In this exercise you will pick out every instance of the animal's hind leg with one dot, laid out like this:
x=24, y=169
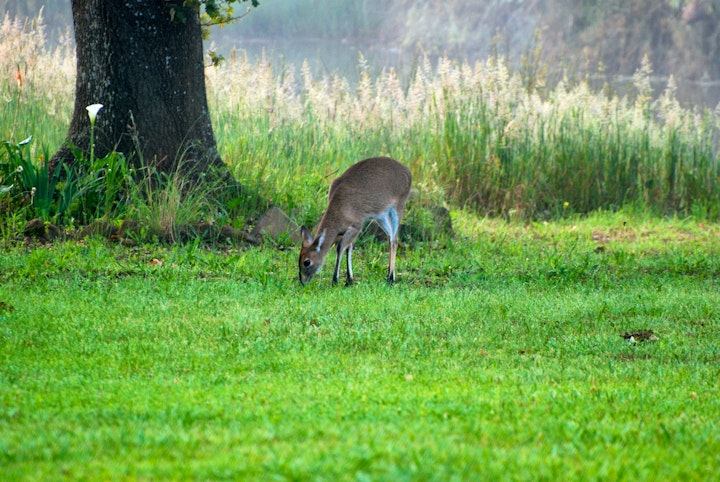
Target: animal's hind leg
x=349, y=279
x=390, y=223
x=391, y=267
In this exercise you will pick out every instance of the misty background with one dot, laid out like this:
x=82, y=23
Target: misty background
x=601, y=41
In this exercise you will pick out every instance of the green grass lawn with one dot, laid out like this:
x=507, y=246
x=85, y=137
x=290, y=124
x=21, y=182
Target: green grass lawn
x=498, y=355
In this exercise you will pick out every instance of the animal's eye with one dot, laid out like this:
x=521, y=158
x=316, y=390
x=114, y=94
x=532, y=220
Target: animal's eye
x=307, y=262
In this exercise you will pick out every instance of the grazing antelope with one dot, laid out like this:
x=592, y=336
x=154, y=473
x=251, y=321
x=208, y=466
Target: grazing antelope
x=376, y=188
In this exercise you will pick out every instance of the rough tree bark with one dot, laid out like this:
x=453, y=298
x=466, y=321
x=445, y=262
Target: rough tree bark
x=146, y=67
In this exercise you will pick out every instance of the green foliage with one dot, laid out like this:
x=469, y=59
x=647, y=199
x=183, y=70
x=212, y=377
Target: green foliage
x=105, y=185
x=214, y=12
x=222, y=11
x=39, y=184
x=60, y=194
x=168, y=206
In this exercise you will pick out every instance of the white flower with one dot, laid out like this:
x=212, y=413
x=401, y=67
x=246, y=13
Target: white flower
x=93, y=111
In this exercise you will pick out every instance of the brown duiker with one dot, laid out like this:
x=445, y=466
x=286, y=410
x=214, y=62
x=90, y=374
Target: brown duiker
x=375, y=188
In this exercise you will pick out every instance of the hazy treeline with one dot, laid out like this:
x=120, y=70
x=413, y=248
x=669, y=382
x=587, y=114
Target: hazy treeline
x=681, y=37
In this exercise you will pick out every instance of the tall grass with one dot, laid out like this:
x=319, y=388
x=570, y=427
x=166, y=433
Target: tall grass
x=36, y=83
x=474, y=135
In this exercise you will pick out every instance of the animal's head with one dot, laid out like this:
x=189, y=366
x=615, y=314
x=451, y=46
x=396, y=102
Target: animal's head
x=312, y=255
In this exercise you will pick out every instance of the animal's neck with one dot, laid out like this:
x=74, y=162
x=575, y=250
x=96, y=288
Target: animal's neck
x=327, y=227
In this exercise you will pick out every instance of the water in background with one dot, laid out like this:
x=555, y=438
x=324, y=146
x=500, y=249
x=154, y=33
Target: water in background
x=347, y=59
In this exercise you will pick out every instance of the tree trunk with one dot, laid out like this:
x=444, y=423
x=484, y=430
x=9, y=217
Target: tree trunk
x=144, y=62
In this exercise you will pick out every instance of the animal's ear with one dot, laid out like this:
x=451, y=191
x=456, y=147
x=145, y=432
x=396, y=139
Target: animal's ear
x=307, y=237
x=321, y=239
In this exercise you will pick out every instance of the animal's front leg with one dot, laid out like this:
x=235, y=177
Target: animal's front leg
x=345, y=243
x=336, y=274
